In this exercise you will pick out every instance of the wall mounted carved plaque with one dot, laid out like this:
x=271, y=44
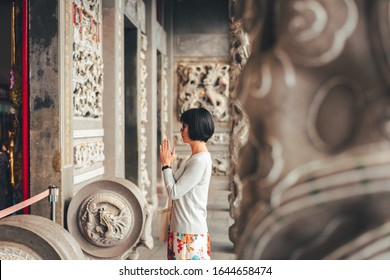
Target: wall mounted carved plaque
x=204, y=85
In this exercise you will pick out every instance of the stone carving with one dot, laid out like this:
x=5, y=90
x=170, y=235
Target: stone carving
x=343, y=208
x=143, y=101
x=87, y=60
x=217, y=139
x=31, y=237
x=204, y=85
x=144, y=181
x=14, y=251
x=220, y=163
x=130, y=6
x=108, y=219
x=146, y=238
x=239, y=44
x=314, y=32
x=317, y=101
x=350, y=98
x=86, y=19
x=239, y=53
x=88, y=154
x=105, y=219
x=370, y=245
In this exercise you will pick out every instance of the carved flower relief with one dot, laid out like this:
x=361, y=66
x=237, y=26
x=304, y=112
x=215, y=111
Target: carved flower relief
x=204, y=85
x=105, y=219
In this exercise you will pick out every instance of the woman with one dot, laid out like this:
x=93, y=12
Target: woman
x=188, y=188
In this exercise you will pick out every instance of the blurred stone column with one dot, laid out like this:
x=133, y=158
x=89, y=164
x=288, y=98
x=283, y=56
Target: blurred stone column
x=239, y=53
x=315, y=89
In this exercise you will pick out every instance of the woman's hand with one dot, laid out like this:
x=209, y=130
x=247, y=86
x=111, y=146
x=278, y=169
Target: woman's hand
x=166, y=154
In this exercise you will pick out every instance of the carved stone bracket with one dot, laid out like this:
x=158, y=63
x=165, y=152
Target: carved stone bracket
x=135, y=10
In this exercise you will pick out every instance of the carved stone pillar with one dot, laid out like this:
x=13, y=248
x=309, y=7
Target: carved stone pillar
x=239, y=53
x=316, y=94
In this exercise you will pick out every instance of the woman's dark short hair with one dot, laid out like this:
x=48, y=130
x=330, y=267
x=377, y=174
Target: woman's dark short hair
x=200, y=123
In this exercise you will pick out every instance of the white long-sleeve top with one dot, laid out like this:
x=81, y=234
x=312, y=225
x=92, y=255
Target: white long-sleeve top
x=188, y=188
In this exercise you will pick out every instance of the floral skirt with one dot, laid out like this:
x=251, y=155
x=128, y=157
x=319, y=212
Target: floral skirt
x=182, y=246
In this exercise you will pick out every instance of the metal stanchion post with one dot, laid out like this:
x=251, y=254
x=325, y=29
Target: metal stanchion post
x=53, y=198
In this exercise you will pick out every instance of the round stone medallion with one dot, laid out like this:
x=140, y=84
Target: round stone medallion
x=106, y=217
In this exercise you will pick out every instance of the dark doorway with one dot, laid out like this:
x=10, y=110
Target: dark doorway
x=13, y=104
x=131, y=108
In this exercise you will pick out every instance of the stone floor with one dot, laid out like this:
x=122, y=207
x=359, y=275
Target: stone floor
x=218, y=220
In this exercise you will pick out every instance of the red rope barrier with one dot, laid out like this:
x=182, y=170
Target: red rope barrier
x=24, y=204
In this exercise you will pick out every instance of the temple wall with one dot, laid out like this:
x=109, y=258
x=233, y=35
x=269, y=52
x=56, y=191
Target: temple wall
x=45, y=155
